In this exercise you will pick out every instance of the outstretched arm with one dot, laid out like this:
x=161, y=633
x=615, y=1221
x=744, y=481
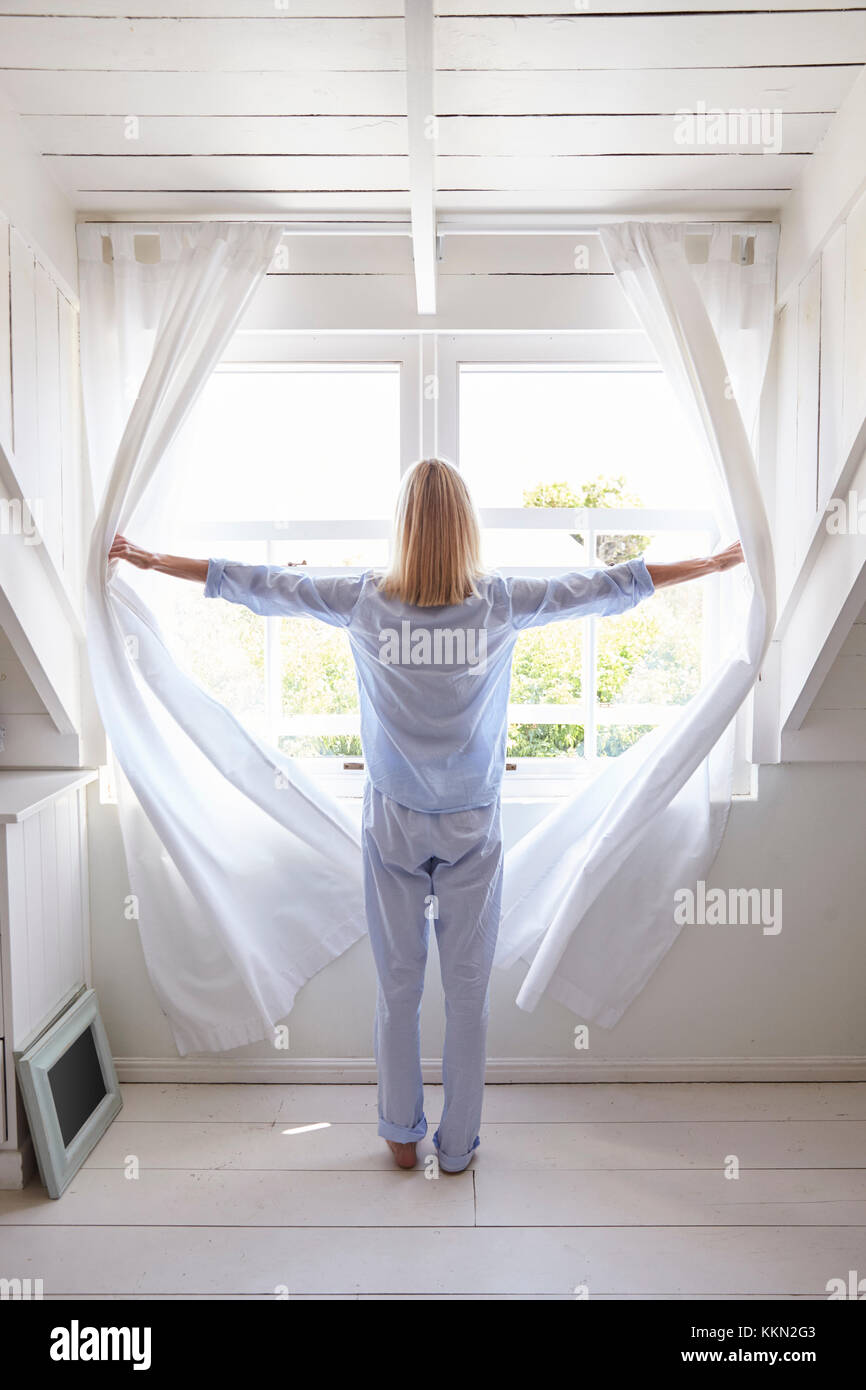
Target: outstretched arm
x=682, y=570
x=282, y=591
x=180, y=566
x=606, y=590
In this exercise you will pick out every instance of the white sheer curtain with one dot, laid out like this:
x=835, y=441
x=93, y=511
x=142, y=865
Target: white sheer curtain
x=244, y=878
x=247, y=876
x=589, y=893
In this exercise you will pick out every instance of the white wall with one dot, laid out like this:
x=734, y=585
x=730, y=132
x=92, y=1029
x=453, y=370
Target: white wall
x=40, y=464
x=32, y=200
x=721, y=993
x=820, y=387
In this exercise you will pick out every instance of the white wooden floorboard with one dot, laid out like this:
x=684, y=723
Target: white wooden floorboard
x=682, y=1101
x=675, y=1144
x=189, y=1198
x=774, y=1197
x=557, y=1104
x=350, y=1145
x=250, y=1103
x=619, y=1188
x=650, y=1261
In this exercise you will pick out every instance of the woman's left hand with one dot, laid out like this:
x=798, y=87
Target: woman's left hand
x=732, y=555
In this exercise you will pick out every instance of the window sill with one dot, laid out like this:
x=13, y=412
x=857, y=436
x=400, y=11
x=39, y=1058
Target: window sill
x=525, y=786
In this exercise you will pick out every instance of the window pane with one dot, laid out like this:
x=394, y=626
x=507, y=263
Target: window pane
x=539, y=437
x=510, y=549
x=220, y=645
x=360, y=554
x=523, y=426
x=311, y=442
x=613, y=739
x=652, y=655
x=545, y=741
x=547, y=666
x=275, y=444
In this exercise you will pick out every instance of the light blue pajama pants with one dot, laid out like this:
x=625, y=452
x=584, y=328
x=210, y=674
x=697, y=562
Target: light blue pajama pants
x=444, y=867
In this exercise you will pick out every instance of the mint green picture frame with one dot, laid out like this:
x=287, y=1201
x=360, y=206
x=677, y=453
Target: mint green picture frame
x=59, y=1162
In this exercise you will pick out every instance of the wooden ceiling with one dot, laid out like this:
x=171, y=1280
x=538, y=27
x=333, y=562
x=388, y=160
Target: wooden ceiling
x=299, y=107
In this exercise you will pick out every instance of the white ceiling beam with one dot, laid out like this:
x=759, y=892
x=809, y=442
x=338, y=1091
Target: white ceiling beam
x=422, y=149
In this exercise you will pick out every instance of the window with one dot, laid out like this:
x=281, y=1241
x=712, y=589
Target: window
x=283, y=462
x=296, y=453
x=576, y=465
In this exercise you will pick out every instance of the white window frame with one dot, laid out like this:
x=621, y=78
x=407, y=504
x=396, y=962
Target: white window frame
x=429, y=424
x=625, y=351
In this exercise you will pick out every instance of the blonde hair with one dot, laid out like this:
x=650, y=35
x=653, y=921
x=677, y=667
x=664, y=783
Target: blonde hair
x=437, y=543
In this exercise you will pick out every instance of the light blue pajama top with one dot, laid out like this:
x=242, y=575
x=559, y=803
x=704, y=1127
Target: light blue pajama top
x=433, y=683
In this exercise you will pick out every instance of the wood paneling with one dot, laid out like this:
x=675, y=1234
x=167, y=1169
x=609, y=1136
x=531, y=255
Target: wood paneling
x=265, y=43
x=855, y=321
x=291, y=43
x=589, y=40
x=43, y=391
x=291, y=173
x=239, y=9
x=73, y=481
x=5, y=341
x=510, y=136
x=227, y=135
x=808, y=361
x=48, y=407
x=386, y=303
x=519, y=93
x=47, y=931
x=150, y=93
x=25, y=407
x=744, y=170
x=753, y=203
x=566, y=176
x=830, y=431
x=17, y=695
x=785, y=530
x=538, y=106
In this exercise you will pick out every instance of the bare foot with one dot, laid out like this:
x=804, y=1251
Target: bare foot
x=404, y=1154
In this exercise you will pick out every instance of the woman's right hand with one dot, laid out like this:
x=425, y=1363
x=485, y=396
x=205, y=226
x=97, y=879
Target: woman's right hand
x=122, y=549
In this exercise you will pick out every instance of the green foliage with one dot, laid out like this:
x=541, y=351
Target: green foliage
x=547, y=665
x=544, y=740
x=599, y=492
x=614, y=739
x=318, y=675
x=321, y=746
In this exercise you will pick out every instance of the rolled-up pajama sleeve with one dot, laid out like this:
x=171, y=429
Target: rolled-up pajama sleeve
x=615, y=589
x=214, y=578
x=275, y=591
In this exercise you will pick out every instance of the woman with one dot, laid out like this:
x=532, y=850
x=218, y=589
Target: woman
x=432, y=641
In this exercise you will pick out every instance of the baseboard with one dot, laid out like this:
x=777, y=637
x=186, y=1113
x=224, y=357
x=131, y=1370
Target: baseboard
x=357, y=1071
